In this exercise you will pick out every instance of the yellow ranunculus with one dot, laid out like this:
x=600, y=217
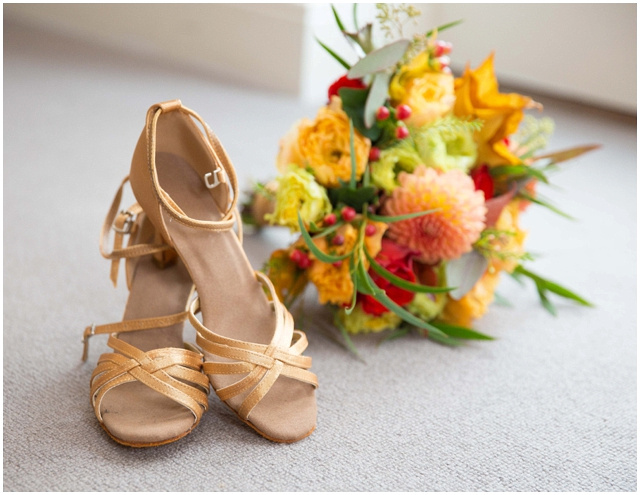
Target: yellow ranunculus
x=477, y=97
x=298, y=192
x=360, y=322
x=324, y=146
x=473, y=304
x=334, y=282
x=430, y=94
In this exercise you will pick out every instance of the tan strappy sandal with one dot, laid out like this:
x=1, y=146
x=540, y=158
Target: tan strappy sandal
x=151, y=390
x=187, y=186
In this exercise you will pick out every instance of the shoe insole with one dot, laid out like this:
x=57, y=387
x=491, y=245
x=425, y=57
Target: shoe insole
x=233, y=302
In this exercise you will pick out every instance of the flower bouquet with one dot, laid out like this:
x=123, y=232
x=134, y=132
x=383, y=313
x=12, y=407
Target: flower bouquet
x=407, y=190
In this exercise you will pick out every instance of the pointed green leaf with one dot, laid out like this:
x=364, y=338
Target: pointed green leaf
x=396, y=334
x=378, y=94
x=443, y=27
x=340, y=60
x=380, y=59
x=450, y=341
x=338, y=21
x=459, y=332
x=324, y=257
x=539, y=201
x=518, y=171
x=464, y=273
x=550, y=286
x=564, y=155
x=387, y=302
x=399, y=218
x=402, y=283
x=546, y=303
x=347, y=340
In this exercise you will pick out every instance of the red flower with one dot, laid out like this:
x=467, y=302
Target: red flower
x=345, y=82
x=399, y=261
x=483, y=181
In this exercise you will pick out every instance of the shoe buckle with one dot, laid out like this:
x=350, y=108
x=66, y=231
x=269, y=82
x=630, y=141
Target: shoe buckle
x=128, y=223
x=214, y=174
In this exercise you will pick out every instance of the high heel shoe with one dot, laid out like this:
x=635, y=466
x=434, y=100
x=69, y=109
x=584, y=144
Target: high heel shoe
x=150, y=391
x=184, y=181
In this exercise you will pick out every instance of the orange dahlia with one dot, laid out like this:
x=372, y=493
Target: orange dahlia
x=452, y=229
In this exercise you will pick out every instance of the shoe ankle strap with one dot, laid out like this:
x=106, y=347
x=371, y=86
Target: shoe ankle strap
x=222, y=175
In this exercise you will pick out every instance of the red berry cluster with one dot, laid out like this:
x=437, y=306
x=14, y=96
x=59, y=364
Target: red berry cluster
x=400, y=113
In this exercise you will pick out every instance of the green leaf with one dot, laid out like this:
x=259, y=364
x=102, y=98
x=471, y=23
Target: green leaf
x=398, y=218
x=355, y=198
x=365, y=284
x=564, y=155
x=450, y=341
x=546, y=303
x=380, y=59
x=378, y=94
x=539, y=201
x=402, y=283
x=338, y=21
x=355, y=15
x=464, y=273
x=396, y=334
x=329, y=230
x=382, y=298
x=340, y=60
x=518, y=171
x=459, y=332
x=353, y=102
x=500, y=300
x=443, y=27
x=551, y=286
x=347, y=340
x=324, y=257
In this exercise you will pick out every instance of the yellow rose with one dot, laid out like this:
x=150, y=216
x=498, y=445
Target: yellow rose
x=334, y=282
x=430, y=94
x=477, y=97
x=473, y=304
x=324, y=146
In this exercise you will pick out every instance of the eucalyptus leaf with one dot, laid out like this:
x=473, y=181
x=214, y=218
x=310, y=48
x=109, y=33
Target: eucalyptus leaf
x=353, y=102
x=464, y=273
x=378, y=94
x=380, y=59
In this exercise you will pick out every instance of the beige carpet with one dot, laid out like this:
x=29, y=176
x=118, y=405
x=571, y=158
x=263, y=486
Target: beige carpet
x=549, y=406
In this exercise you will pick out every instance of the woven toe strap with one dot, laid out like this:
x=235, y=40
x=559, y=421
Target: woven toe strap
x=174, y=373
x=261, y=364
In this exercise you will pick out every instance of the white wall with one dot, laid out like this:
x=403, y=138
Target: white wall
x=585, y=52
